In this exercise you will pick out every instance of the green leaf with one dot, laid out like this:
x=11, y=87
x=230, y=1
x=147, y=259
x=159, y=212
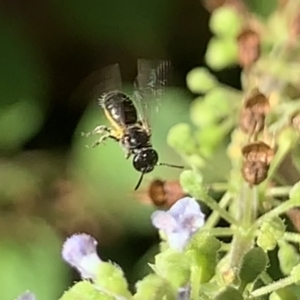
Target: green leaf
x=288, y=257
x=229, y=293
x=253, y=264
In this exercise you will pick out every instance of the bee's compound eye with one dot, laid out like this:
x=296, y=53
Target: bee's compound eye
x=145, y=160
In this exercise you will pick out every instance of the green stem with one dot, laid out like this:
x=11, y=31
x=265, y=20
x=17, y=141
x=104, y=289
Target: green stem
x=279, y=191
x=276, y=285
x=266, y=278
x=248, y=206
x=195, y=282
x=292, y=237
x=282, y=208
x=240, y=245
x=213, y=205
x=220, y=231
x=244, y=237
x=218, y=186
x=202, y=296
x=215, y=216
x=225, y=247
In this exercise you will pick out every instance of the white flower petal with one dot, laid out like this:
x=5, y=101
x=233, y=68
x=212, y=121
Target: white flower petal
x=163, y=221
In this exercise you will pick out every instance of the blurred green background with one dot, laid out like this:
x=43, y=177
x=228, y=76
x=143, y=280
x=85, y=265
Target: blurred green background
x=51, y=185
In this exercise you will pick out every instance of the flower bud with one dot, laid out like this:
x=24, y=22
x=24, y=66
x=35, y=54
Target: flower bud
x=85, y=290
x=221, y=53
x=192, y=183
x=153, y=287
x=200, y=80
x=270, y=232
x=203, y=251
x=79, y=251
x=213, y=107
x=174, y=267
x=226, y=22
x=110, y=278
x=180, y=139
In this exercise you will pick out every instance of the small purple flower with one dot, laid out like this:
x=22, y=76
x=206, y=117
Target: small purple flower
x=27, y=296
x=180, y=222
x=80, y=252
x=184, y=293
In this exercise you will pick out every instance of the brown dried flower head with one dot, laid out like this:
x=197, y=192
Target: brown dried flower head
x=248, y=48
x=254, y=172
x=257, y=159
x=161, y=193
x=253, y=113
x=295, y=26
x=258, y=151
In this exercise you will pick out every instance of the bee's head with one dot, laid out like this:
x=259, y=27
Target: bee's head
x=145, y=160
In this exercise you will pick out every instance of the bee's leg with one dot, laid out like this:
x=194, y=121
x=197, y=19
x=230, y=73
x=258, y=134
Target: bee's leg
x=100, y=141
x=105, y=133
x=97, y=130
x=127, y=154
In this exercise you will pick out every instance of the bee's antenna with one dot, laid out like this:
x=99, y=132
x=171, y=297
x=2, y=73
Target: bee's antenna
x=172, y=166
x=139, y=182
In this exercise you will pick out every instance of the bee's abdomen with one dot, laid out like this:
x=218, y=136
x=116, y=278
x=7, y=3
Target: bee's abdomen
x=120, y=107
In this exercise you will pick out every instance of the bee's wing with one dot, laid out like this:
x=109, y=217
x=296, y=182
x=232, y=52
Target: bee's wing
x=152, y=78
x=98, y=83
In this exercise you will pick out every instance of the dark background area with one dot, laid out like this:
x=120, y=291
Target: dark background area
x=71, y=55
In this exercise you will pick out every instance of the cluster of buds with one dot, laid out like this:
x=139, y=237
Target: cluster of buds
x=257, y=154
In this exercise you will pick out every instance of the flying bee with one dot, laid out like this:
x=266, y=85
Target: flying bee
x=129, y=125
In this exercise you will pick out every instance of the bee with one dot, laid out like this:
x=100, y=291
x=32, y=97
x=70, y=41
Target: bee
x=129, y=116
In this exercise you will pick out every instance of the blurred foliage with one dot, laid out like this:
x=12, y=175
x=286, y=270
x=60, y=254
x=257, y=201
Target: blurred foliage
x=23, y=84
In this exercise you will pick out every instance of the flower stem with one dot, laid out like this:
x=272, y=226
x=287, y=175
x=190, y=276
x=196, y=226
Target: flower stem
x=276, y=285
x=218, y=186
x=219, y=231
x=214, y=217
x=244, y=237
x=213, y=205
x=279, y=191
x=266, y=278
x=282, y=208
x=292, y=237
x=195, y=282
